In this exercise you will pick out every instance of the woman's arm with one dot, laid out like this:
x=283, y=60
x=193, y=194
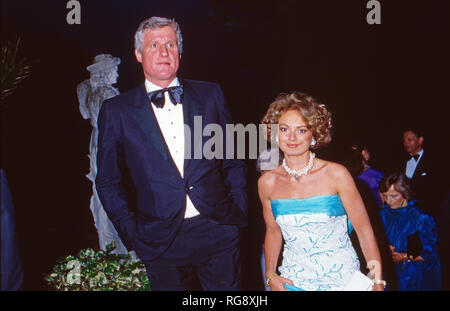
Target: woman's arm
x=273, y=239
x=356, y=211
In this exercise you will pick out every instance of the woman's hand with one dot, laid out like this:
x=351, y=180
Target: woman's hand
x=378, y=287
x=418, y=258
x=277, y=283
x=397, y=257
x=400, y=257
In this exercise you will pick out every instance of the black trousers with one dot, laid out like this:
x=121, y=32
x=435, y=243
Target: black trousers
x=202, y=250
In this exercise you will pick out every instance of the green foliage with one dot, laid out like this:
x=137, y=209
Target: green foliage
x=13, y=68
x=98, y=271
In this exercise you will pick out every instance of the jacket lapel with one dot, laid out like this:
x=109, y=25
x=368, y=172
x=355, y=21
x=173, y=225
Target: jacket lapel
x=145, y=117
x=192, y=106
x=419, y=168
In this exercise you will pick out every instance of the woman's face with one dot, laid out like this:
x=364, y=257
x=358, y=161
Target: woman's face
x=294, y=135
x=393, y=198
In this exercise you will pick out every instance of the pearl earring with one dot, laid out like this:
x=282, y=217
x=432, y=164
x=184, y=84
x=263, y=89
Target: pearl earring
x=313, y=142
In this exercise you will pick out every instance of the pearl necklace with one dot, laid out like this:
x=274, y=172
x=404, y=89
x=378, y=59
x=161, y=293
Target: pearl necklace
x=296, y=174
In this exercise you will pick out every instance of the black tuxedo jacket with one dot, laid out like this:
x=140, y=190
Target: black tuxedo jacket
x=131, y=146
x=428, y=182
x=423, y=168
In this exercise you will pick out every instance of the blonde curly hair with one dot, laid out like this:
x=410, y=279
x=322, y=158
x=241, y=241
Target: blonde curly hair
x=316, y=115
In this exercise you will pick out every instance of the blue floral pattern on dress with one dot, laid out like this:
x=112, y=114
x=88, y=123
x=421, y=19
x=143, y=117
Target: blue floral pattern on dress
x=318, y=254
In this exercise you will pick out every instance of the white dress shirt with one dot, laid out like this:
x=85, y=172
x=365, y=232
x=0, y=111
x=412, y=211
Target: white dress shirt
x=171, y=122
x=412, y=164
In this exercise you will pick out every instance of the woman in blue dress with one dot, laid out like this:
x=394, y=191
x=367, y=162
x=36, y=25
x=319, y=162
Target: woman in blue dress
x=306, y=201
x=418, y=269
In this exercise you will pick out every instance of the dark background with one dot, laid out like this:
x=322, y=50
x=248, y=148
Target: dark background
x=374, y=78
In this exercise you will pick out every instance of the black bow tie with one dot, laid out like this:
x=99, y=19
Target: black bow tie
x=416, y=157
x=175, y=95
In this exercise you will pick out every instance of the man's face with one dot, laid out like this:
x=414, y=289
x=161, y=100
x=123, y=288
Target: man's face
x=159, y=56
x=411, y=142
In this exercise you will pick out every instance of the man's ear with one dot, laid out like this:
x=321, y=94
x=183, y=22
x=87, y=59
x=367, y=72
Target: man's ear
x=138, y=55
x=421, y=140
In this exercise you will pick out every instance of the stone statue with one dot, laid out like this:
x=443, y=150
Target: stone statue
x=91, y=94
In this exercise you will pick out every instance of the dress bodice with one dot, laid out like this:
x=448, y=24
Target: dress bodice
x=330, y=205
x=318, y=254
x=327, y=204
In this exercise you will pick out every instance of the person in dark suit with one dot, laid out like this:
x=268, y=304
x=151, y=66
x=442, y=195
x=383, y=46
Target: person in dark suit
x=422, y=169
x=183, y=213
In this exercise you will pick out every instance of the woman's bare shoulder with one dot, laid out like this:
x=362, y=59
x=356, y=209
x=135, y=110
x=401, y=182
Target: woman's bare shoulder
x=268, y=178
x=333, y=169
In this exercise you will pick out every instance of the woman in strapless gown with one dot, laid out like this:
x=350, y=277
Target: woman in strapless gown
x=311, y=204
x=318, y=253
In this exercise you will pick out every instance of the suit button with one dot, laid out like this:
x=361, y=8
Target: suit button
x=190, y=187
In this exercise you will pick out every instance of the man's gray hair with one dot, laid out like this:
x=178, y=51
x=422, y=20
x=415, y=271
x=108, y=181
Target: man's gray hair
x=153, y=23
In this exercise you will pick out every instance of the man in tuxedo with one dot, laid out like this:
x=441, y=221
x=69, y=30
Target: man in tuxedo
x=183, y=213
x=424, y=171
